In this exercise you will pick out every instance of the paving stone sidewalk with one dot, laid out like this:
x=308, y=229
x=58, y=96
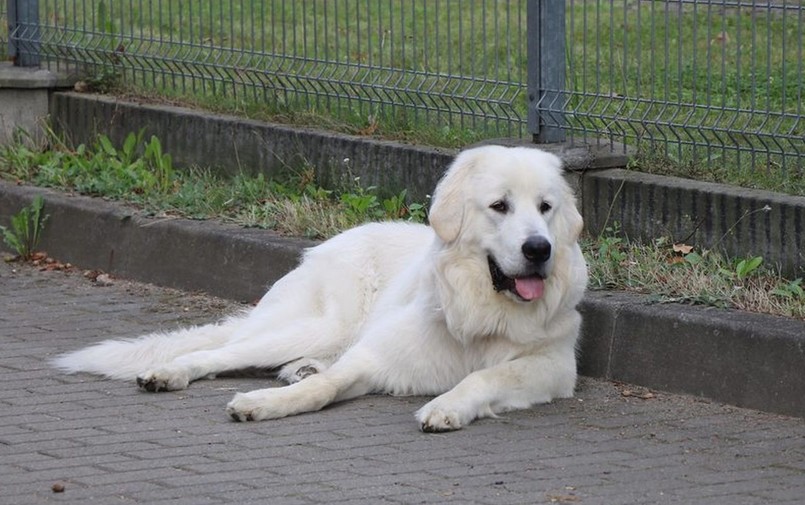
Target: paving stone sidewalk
x=106, y=442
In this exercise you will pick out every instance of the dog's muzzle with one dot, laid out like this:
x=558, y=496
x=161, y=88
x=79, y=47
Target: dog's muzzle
x=526, y=287
x=530, y=284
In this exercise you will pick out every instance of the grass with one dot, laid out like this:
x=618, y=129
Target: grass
x=680, y=273
x=695, y=85
x=140, y=174
x=706, y=92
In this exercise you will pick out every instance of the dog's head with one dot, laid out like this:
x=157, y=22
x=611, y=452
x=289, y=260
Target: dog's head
x=512, y=205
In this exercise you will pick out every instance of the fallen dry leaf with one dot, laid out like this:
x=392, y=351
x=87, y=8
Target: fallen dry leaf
x=104, y=280
x=630, y=391
x=721, y=38
x=683, y=248
x=371, y=129
x=643, y=395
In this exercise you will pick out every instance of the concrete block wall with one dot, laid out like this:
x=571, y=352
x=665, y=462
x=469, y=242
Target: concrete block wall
x=231, y=144
x=741, y=222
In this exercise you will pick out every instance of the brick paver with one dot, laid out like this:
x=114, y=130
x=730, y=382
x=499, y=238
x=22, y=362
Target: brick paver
x=106, y=442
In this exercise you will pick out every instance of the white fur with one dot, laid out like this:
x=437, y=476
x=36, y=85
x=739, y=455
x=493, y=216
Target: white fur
x=402, y=309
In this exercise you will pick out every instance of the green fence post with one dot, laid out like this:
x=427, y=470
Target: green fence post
x=546, y=69
x=23, y=32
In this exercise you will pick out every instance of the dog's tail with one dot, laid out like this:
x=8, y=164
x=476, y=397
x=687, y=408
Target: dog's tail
x=125, y=358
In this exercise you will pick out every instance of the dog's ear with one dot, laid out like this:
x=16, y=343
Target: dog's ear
x=446, y=213
x=570, y=222
x=570, y=218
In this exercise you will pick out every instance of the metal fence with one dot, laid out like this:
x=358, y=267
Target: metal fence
x=715, y=83
x=711, y=82
x=457, y=62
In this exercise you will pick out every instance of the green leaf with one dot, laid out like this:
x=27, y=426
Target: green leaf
x=693, y=258
x=746, y=267
x=129, y=145
x=106, y=145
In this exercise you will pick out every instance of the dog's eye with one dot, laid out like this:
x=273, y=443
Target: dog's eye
x=544, y=207
x=500, y=206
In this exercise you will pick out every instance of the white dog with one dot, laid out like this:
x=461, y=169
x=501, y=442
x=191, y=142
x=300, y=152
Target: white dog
x=479, y=308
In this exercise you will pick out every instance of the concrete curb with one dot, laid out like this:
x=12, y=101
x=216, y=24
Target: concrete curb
x=741, y=358
x=224, y=260
x=749, y=360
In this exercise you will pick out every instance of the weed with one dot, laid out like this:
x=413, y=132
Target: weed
x=362, y=202
x=746, y=267
x=142, y=173
x=610, y=245
x=102, y=170
x=158, y=163
x=395, y=207
x=607, y=251
x=790, y=290
x=677, y=273
x=417, y=212
x=26, y=229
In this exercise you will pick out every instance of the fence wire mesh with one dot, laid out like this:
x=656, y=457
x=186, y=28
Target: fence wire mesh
x=712, y=83
x=452, y=62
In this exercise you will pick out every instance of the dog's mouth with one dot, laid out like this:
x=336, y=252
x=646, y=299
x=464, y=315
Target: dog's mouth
x=527, y=287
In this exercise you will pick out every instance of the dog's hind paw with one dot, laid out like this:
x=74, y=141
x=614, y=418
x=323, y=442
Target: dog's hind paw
x=297, y=370
x=156, y=381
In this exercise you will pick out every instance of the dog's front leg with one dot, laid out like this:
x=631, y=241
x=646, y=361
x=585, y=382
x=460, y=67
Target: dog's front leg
x=515, y=384
x=313, y=393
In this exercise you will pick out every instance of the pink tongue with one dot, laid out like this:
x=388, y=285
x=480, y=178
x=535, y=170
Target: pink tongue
x=529, y=288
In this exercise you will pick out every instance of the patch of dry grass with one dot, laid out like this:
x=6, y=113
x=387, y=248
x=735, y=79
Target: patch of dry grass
x=681, y=273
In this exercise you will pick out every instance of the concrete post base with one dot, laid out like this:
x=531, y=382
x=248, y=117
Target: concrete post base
x=24, y=95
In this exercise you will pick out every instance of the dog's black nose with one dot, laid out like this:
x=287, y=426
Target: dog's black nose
x=537, y=249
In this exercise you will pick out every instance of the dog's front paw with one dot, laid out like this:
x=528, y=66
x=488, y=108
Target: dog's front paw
x=155, y=381
x=254, y=406
x=436, y=418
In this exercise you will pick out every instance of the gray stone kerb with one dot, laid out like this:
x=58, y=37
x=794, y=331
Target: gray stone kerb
x=749, y=360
